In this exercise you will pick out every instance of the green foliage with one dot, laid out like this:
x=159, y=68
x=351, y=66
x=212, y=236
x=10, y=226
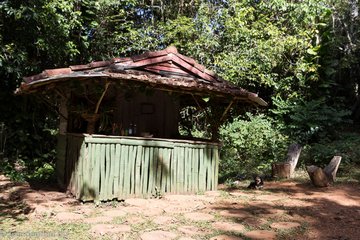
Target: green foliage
x=30, y=135
x=8, y=168
x=194, y=122
x=250, y=146
x=350, y=172
x=290, y=52
x=46, y=172
x=345, y=145
x=41, y=171
x=309, y=121
x=264, y=45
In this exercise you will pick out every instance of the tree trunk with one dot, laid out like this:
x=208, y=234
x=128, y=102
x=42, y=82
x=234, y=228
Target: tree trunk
x=292, y=158
x=324, y=177
x=331, y=169
x=287, y=168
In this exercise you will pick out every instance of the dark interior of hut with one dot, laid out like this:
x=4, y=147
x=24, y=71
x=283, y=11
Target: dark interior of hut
x=143, y=111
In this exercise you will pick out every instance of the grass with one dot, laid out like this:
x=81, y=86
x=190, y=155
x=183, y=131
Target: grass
x=292, y=233
x=350, y=174
x=47, y=228
x=146, y=225
x=224, y=194
x=119, y=220
x=44, y=229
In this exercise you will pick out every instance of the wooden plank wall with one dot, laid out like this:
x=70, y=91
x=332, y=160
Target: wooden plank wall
x=60, y=160
x=74, y=147
x=108, y=168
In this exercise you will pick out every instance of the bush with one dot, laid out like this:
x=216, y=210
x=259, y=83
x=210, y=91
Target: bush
x=346, y=145
x=8, y=169
x=309, y=121
x=28, y=130
x=46, y=172
x=250, y=146
x=17, y=171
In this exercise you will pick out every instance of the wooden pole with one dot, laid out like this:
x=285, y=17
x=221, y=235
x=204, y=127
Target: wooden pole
x=226, y=110
x=62, y=141
x=107, y=84
x=92, y=118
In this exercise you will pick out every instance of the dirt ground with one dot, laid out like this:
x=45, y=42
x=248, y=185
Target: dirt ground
x=282, y=210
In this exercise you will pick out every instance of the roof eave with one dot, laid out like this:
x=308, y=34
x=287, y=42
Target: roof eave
x=160, y=83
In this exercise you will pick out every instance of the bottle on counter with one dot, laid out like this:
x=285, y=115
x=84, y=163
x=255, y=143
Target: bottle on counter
x=131, y=129
x=134, y=130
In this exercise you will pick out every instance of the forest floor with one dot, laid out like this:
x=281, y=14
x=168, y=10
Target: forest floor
x=282, y=210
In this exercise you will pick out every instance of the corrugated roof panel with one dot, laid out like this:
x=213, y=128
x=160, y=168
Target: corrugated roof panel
x=166, y=68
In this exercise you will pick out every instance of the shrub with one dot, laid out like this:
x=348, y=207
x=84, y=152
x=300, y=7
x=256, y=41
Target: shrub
x=309, y=121
x=8, y=168
x=250, y=146
x=27, y=137
x=46, y=172
x=346, y=145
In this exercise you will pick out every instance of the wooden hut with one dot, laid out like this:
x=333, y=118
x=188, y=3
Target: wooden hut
x=119, y=121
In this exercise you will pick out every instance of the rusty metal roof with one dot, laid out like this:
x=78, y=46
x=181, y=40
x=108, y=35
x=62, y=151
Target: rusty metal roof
x=166, y=69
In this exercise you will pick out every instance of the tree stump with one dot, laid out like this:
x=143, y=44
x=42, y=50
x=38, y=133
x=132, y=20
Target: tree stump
x=324, y=177
x=331, y=169
x=287, y=168
x=317, y=176
x=292, y=157
x=281, y=170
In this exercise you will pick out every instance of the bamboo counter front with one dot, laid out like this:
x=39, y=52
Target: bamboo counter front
x=101, y=168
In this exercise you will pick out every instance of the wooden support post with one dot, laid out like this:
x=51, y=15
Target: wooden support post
x=63, y=116
x=107, y=84
x=226, y=111
x=92, y=118
x=61, y=143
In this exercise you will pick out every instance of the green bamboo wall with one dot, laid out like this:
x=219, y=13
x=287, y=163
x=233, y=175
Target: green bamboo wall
x=105, y=168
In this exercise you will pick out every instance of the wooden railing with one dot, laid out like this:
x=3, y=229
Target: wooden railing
x=105, y=167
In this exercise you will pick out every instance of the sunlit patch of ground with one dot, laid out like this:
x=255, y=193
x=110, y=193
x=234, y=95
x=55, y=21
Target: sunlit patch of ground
x=282, y=210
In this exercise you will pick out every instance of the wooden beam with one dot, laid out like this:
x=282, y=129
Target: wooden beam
x=226, y=110
x=107, y=84
x=62, y=95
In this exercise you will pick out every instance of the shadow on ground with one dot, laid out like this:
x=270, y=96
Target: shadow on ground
x=18, y=199
x=324, y=213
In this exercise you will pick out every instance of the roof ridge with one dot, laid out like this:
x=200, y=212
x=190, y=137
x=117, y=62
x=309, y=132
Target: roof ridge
x=167, y=63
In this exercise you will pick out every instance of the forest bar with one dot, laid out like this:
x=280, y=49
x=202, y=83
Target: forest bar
x=101, y=167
